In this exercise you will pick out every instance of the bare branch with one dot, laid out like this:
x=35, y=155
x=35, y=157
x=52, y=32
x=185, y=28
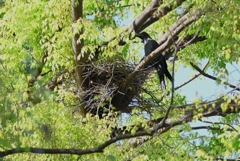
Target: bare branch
x=213, y=78
x=220, y=123
x=206, y=127
x=194, y=77
x=172, y=97
x=224, y=159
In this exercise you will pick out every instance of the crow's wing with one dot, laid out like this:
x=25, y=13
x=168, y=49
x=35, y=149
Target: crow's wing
x=150, y=46
x=168, y=75
x=159, y=63
x=164, y=66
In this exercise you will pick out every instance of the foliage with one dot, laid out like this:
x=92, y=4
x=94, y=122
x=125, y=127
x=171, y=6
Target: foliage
x=40, y=104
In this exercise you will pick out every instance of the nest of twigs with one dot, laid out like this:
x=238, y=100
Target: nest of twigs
x=103, y=83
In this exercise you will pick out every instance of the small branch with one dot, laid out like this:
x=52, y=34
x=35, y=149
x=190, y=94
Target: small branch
x=219, y=123
x=54, y=80
x=185, y=83
x=153, y=97
x=205, y=127
x=43, y=74
x=172, y=97
x=45, y=55
x=38, y=69
x=194, y=77
x=193, y=38
x=221, y=159
x=213, y=78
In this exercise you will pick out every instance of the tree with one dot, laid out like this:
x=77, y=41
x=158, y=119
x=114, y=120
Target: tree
x=74, y=84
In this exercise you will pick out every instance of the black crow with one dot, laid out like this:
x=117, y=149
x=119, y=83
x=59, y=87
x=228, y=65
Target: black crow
x=159, y=62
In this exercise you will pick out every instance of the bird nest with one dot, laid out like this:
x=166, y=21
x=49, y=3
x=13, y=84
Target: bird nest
x=103, y=81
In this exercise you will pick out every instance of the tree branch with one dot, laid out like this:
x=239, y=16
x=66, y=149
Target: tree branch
x=77, y=44
x=54, y=80
x=205, y=127
x=220, y=123
x=161, y=13
x=148, y=12
x=165, y=42
x=194, y=77
x=208, y=111
x=189, y=39
x=172, y=97
x=145, y=19
x=214, y=78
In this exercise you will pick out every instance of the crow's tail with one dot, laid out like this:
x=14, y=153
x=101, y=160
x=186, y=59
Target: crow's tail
x=168, y=75
x=161, y=78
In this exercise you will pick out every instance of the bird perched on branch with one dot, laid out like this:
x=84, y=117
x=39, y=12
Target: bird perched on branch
x=159, y=62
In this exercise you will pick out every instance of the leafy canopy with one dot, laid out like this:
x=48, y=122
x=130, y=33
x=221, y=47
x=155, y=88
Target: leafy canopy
x=36, y=45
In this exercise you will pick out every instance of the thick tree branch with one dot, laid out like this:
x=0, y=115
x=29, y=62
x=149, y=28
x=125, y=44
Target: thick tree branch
x=145, y=19
x=182, y=23
x=161, y=13
x=77, y=14
x=206, y=108
x=148, y=12
x=77, y=44
x=137, y=23
x=189, y=39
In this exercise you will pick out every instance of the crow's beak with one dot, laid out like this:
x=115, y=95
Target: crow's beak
x=139, y=36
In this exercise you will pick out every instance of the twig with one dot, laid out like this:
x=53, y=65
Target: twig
x=219, y=123
x=212, y=77
x=172, y=97
x=205, y=127
x=193, y=38
x=194, y=77
x=153, y=97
